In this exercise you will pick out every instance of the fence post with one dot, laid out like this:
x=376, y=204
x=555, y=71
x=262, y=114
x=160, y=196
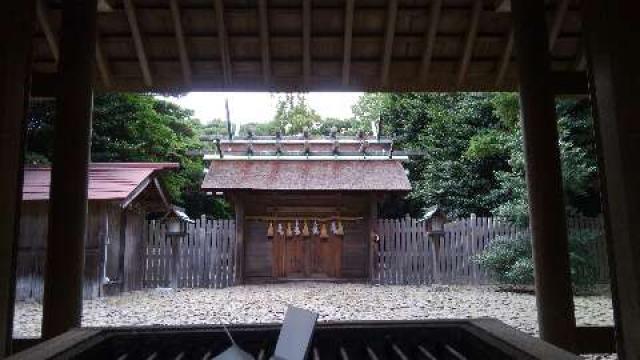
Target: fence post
x=175, y=244
x=473, y=246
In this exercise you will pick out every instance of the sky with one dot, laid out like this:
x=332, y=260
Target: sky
x=246, y=107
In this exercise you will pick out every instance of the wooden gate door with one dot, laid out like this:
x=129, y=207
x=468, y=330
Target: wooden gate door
x=295, y=257
x=323, y=257
x=307, y=258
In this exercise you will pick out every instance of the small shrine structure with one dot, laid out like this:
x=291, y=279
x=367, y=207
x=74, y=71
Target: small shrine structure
x=306, y=208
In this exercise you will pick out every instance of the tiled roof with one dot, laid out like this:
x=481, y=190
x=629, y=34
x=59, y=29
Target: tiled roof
x=107, y=181
x=307, y=175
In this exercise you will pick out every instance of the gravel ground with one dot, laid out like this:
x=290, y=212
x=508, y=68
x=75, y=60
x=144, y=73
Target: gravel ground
x=267, y=303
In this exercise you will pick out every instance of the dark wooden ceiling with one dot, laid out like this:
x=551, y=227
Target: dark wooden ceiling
x=303, y=45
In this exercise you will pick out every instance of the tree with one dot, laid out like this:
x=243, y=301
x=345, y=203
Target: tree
x=442, y=126
x=137, y=127
x=474, y=157
x=293, y=114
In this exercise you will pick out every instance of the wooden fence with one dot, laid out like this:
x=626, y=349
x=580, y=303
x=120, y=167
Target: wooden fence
x=204, y=257
x=407, y=254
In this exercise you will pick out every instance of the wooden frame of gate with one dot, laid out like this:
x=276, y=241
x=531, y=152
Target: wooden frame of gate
x=610, y=54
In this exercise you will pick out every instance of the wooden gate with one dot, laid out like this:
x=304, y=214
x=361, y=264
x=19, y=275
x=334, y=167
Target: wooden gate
x=307, y=257
x=204, y=257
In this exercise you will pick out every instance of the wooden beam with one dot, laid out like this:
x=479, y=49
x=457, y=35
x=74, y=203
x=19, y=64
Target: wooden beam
x=581, y=59
x=263, y=14
x=612, y=29
x=62, y=305
x=505, y=60
x=306, y=41
x=137, y=40
x=16, y=22
x=554, y=294
x=503, y=6
x=182, y=47
x=348, y=38
x=225, y=58
x=595, y=340
x=103, y=66
x=558, y=21
x=43, y=21
x=430, y=38
x=470, y=41
x=392, y=12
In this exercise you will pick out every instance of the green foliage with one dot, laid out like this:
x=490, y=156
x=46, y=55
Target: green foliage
x=577, y=151
x=137, y=127
x=489, y=144
x=294, y=115
x=509, y=261
x=345, y=127
x=445, y=127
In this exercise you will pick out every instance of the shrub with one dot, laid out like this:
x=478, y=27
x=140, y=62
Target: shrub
x=509, y=261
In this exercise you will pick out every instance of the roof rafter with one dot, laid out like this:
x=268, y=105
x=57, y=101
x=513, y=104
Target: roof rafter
x=558, y=21
x=392, y=13
x=264, y=40
x=306, y=40
x=43, y=20
x=554, y=33
x=348, y=38
x=505, y=60
x=225, y=59
x=102, y=65
x=470, y=41
x=137, y=40
x=182, y=47
x=430, y=38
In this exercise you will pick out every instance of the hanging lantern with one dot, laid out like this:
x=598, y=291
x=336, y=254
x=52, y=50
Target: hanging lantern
x=315, y=230
x=289, y=231
x=305, y=229
x=296, y=229
x=280, y=230
x=270, y=230
x=323, y=231
x=340, y=229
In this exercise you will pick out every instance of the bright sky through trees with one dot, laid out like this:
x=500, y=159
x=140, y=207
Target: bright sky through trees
x=248, y=107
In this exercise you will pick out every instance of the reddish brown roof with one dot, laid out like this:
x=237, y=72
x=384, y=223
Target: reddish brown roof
x=107, y=181
x=308, y=175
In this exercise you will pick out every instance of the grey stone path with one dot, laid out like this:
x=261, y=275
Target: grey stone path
x=266, y=303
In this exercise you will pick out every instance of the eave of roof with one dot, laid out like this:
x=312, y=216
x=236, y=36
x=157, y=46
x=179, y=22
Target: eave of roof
x=301, y=175
x=107, y=181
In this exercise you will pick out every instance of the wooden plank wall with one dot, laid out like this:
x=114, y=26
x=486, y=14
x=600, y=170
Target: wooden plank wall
x=406, y=254
x=202, y=258
x=32, y=249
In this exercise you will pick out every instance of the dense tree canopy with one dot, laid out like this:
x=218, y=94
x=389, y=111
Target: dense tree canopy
x=474, y=158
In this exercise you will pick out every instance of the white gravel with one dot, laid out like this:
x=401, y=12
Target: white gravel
x=267, y=303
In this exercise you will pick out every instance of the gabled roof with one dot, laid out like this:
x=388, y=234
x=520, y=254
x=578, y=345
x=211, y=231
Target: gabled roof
x=107, y=181
x=307, y=175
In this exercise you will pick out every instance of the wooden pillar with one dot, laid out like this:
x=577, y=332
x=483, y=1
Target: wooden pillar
x=239, y=210
x=69, y=176
x=612, y=30
x=16, y=23
x=554, y=296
